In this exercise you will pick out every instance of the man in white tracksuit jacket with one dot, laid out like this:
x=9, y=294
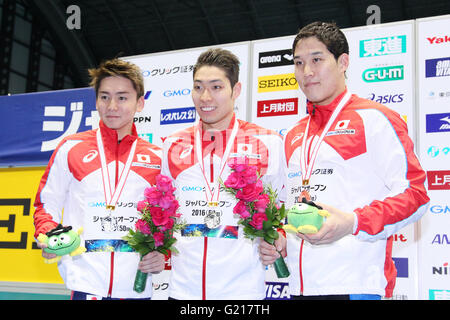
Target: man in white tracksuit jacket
x=217, y=262
x=354, y=157
x=89, y=170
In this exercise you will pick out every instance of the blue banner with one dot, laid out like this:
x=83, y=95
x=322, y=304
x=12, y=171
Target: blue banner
x=33, y=124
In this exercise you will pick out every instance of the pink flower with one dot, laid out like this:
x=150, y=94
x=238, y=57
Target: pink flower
x=172, y=210
x=235, y=181
x=238, y=164
x=262, y=202
x=249, y=174
x=152, y=195
x=141, y=205
x=159, y=216
x=166, y=200
x=250, y=192
x=164, y=183
x=258, y=219
x=167, y=226
x=159, y=238
x=241, y=209
x=142, y=226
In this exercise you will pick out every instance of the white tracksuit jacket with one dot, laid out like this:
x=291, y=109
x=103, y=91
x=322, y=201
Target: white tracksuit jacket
x=366, y=165
x=73, y=183
x=226, y=265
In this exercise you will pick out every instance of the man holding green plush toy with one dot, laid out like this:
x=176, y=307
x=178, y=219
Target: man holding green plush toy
x=90, y=176
x=353, y=157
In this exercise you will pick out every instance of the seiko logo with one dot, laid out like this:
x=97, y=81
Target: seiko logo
x=90, y=156
x=275, y=58
x=279, y=82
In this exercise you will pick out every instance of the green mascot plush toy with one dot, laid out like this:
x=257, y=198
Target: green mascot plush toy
x=61, y=241
x=305, y=217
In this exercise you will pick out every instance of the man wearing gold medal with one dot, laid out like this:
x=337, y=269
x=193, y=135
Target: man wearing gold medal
x=215, y=261
x=96, y=177
x=353, y=157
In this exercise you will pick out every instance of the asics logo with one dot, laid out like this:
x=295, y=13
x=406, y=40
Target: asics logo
x=90, y=156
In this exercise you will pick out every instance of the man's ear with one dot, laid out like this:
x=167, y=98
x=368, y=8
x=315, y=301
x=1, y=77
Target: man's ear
x=140, y=104
x=236, y=90
x=343, y=62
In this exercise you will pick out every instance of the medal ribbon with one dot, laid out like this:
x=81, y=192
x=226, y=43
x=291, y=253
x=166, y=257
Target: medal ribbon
x=198, y=149
x=305, y=166
x=112, y=195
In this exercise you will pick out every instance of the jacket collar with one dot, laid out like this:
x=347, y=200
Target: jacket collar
x=325, y=110
x=110, y=137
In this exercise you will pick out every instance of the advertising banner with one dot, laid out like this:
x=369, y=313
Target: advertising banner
x=277, y=100
x=382, y=68
x=433, y=72
x=168, y=84
x=21, y=258
x=34, y=123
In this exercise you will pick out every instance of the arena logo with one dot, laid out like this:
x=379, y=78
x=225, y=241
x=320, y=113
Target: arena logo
x=275, y=58
x=437, y=122
x=278, y=107
x=177, y=115
x=437, y=40
x=383, y=74
x=388, y=98
x=279, y=82
x=437, y=67
x=382, y=46
x=438, y=180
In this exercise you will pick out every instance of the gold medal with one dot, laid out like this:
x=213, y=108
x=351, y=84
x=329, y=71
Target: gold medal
x=212, y=219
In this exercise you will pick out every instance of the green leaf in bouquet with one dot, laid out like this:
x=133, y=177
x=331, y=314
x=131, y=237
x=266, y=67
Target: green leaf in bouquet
x=267, y=225
x=269, y=214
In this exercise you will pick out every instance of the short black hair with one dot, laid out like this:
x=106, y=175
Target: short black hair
x=222, y=59
x=326, y=32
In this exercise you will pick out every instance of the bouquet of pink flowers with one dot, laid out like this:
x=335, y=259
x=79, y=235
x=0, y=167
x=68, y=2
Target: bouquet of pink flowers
x=158, y=222
x=257, y=209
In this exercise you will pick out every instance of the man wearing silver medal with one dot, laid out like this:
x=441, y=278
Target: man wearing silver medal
x=90, y=176
x=356, y=160
x=215, y=261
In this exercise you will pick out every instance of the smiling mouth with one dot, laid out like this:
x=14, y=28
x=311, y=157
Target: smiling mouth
x=207, y=108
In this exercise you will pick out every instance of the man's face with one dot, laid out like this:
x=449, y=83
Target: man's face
x=117, y=103
x=319, y=75
x=213, y=97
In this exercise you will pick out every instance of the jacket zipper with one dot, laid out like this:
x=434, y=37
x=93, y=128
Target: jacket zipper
x=111, y=272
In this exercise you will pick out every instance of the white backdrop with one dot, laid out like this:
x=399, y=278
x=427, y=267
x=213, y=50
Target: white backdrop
x=433, y=91
x=383, y=60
